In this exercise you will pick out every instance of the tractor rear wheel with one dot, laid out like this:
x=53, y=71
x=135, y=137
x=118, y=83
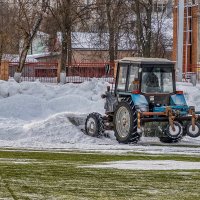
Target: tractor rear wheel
x=94, y=125
x=125, y=122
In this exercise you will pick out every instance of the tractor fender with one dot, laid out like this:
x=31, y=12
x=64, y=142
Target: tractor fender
x=140, y=102
x=178, y=99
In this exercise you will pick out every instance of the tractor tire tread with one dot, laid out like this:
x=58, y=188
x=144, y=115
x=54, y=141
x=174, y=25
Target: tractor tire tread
x=134, y=136
x=169, y=140
x=100, y=124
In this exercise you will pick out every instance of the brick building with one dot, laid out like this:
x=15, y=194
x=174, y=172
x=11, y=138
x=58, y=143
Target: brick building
x=191, y=36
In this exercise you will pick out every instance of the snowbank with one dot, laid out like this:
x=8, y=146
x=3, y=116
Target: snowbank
x=31, y=100
x=33, y=114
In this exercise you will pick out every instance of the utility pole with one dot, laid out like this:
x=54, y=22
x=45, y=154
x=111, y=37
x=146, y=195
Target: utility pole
x=180, y=39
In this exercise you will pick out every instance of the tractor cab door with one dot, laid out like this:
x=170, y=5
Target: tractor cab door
x=133, y=78
x=127, y=78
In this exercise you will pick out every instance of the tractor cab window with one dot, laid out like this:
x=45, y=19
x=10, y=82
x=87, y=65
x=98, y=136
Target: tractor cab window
x=133, y=78
x=156, y=79
x=122, y=76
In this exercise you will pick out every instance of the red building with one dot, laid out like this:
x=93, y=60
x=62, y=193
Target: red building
x=190, y=38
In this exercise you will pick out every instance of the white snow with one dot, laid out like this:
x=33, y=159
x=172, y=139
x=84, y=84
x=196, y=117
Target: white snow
x=149, y=165
x=33, y=114
x=37, y=115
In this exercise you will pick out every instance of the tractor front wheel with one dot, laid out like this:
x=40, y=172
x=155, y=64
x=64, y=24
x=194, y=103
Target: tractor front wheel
x=173, y=135
x=125, y=122
x=193, y=132
x=94, y=125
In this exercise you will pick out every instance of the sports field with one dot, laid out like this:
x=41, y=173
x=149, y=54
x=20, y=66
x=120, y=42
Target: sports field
x=69, y=175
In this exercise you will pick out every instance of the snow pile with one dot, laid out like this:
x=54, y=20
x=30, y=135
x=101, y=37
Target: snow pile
x=192, y=94
x=31, y=100
x=33, y=114
x=36, y=115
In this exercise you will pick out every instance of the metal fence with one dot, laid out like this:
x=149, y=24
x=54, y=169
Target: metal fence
x=44, y=72
x=76, y=72
x=79, y=72
x=192, y=70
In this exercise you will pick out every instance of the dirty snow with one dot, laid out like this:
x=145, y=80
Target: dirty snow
x=36, y=115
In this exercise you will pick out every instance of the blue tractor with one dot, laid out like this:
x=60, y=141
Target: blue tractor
x=145, y=93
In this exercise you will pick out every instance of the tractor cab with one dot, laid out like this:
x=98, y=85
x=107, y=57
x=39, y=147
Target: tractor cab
x=145, y=93
x=152, y=78
x=147, y=76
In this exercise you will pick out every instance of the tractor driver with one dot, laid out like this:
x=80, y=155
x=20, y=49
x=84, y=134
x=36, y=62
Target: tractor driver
x=151, y=81
x=134, y=84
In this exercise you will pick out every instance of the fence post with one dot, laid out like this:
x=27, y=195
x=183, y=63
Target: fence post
x=4, y=72
x=193, y=79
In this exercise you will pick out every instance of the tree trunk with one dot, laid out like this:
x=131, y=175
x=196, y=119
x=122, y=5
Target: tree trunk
x=147, y=47
x=23, y=55
x=143, y=27
x=111, y=45
x=69, y=40
x=1, y=55
x=139, y=29
x=29, y=36
x=63, y=58
x=111, y=32
x=22, y=59
x=1, y=52
x=116, y=46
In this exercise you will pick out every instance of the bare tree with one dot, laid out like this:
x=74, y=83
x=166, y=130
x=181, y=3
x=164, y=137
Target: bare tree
x=67, y=14
x=28, y=20
x=50, y=27
x=138, y=26
x=149, y=28
x=8, y=37
x=111, y=15
x=143, y=32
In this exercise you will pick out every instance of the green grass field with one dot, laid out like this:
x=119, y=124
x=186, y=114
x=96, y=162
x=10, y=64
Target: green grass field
x=51, y=175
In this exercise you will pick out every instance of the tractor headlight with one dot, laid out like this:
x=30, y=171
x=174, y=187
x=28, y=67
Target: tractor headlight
x=142, y=108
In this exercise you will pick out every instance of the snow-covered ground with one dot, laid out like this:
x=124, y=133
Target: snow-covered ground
x=36, y=115
x=148, y=165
